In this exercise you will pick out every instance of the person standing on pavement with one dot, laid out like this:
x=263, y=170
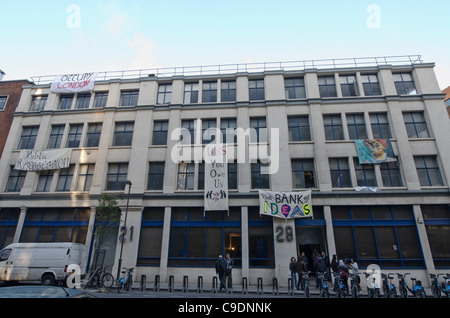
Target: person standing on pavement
x=229, y=267
x=319, y=267
x=293, y=270
x=221, y=267
x=301, y=268
x=355, y=271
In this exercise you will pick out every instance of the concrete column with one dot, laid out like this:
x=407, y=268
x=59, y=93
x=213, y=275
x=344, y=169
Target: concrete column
x=170, y=169
x=329, y=231
x=423, y=240
x=165, y=244
x=20, y=222
x=244, y=243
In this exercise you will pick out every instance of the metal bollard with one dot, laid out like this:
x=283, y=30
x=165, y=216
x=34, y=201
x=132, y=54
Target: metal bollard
x=200, y=284
x=260, y=286
x=214, y=285
x=143, y=282
x=157, y=283
x=171, y=283
x=290, y=286
x=185, y=288
x=244, y=285
x=275, y=286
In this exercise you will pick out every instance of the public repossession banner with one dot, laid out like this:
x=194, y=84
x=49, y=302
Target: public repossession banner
x=37, y=160
x=374, y=151
x=286, y=205
x=216, y=178
x=73, y=83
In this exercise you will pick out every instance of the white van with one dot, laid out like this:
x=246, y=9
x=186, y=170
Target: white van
x=44, y=262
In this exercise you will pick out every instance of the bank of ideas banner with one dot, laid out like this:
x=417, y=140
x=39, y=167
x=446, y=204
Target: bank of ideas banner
x=73, y=83
x=38, y=160
x=374, y=151
x=286, y=205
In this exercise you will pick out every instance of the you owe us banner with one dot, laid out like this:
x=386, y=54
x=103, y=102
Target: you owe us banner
x=286, y=205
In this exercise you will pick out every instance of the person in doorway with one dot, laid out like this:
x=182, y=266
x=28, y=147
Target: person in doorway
x=327, y=264
x=221, y=267
x=301, y=268
x=293, y=270
x=229, y=267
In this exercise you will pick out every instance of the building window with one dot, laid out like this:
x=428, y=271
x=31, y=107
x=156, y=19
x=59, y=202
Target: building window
x=298, y=127
x=164, y=94
x=155, y=176
x=56, y=225
x=160, y=129
x=380, y=126
x=65, y=101
x=260, y=176
x=256, y=89
x=191, y=93
x=93, y=135
x=129, y=98
x=232, y=175
x=197, y=237
x=333, y=127
x=327, y=86
x=74, y=138
x=404, y=84
x=228, y=91
x=416, y=126
x=100, y=99
x=209, y=92
x=185, y=179
x=28, y=137
x=117, y=176
x=38, y=103
x=371, y=85
x=356, y=126
x=150, y=240
x=428, y=171
x=3, y=100
x=303, y=173
x=365, y=174
x=123, y=134
x=390, y=174
x=201, y=176
x=208, y=130
x=294, y=88
x=9, y=218
x=260, y=239
x=56, y=135
x=228, y=127
x=15, y=180
x=340, y=173
x=45, y=181
x=437, y=219
x=188, y=132
x=349, y=86
x=65, y=179
x=83, y=101
x=85, y=177
x=258, y=129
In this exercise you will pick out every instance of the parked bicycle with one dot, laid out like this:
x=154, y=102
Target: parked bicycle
x=126, y=280
x=439, y=289
x=354, y=286
x=323, y=286
x=416, y=287
x=389, y=289
x=339, y=286
x=305, y=277
x=373, y=291
x=101, y=278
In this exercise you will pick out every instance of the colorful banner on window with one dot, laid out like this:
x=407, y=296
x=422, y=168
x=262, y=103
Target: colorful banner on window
x=374, y=151
x=38, y=160
x=73, y=83
x=286, y=205
x=216, y=178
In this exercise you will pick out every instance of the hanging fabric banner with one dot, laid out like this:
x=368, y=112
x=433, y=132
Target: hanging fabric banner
x=37, y=160
x=73, y=83
x=374, y=151
x=216, y=178
x=286, y=205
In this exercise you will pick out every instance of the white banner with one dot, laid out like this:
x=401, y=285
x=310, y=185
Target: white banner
x=216, y=178
x=286, y=205
x=73, y=83
x=37, y=160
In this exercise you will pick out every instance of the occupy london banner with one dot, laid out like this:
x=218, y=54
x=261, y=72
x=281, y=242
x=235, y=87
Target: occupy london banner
x=216, y=178
x=374, y=151
x=37, y=160
x=73, y=83
x=286, y=205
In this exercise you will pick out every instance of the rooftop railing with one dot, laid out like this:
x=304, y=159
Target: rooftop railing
x=224, y=69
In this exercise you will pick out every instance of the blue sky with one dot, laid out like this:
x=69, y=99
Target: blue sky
x=51, y=37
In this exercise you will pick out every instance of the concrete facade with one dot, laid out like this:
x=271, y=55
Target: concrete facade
x=288, y=237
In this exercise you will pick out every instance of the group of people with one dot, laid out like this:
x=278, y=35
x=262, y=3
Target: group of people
x=344, y=268
x=223, y=270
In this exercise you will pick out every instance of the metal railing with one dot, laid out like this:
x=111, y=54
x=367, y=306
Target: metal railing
x=224, y=69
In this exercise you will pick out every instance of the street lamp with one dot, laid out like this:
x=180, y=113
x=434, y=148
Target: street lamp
x=123, y=229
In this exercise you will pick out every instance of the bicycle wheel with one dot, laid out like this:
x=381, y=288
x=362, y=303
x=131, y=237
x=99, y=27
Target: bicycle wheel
x=107, y=280
x=121, y=287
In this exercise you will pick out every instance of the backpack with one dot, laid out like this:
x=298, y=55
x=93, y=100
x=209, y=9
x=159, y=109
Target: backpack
x=343, y=274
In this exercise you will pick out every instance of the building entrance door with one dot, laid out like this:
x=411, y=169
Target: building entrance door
x=310, y=240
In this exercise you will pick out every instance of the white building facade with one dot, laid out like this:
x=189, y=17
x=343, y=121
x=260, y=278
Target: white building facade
x=122, y=130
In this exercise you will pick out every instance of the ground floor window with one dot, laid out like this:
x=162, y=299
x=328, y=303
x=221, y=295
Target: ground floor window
x=151, y=237
x=8, y=224
x=437, y=225
x=260, y=239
